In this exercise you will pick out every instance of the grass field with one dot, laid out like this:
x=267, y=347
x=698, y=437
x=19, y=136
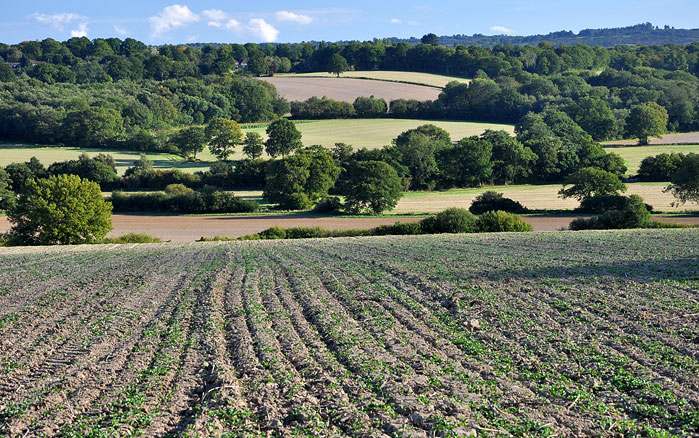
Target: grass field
x=369, y=133
x=429, y=79
x=536, y=335
x=538, y=197
x=633, y=155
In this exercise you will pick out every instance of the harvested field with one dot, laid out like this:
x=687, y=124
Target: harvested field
x=429, y=79
x=538, y=334
x=346, y=89
x=681, y=138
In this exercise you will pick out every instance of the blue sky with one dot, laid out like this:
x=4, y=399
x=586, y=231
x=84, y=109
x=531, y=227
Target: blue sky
x=157, y=22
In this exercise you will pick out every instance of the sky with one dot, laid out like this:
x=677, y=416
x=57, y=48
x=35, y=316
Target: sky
x=160, y=22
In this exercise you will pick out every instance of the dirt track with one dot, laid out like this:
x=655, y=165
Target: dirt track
x=348, y=90
x=191, y=228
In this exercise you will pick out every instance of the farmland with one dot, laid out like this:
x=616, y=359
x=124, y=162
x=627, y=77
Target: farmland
x=348, y=89
x=633, y=155
x=667, y=139
x=542, y=334
x=369, y=133
x=428, y=79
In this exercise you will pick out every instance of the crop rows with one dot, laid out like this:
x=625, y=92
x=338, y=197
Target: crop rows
x=543, y=334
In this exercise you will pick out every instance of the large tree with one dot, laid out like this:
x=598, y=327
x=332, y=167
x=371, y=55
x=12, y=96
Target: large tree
x=685, y=182
x=223, y=135
x=283, y=138
x=646, y=120
x=337, y=64
x=253, y=146
x=62, y=209
x=590, y=181
x=190, y=141
x=371, y=185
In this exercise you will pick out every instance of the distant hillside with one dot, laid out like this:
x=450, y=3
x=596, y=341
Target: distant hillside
x=643, y=34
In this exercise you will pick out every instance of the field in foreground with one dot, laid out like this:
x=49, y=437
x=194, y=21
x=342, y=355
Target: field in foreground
x=429, y=79
x=542, y=334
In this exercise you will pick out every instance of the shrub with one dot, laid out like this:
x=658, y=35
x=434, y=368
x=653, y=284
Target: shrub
x=602, y=203
x=329, y=205
x=451, y=220
x=398, y=229
x=631, y=213
x=501, y=221
x=494, y=201
x=307, y=233
x=273, y=233
x=206, y=201
x=132, y=238
x=590, y=181
x=660, y=167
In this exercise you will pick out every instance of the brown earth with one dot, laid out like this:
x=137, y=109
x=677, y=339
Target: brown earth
x=348, y=90
x=682, y=138
x=529, y=334
x=191, y=228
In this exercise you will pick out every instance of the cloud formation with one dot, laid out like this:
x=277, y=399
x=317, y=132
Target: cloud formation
x=395, y=21
x=256, y=27
x=121, y=30
x=81, y=31
x=295, y=18
x=172, y=17
x=59, y=21
x=501, y=29
x=263, y=30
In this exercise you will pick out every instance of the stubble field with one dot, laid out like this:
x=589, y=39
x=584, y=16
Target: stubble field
x=542, y=334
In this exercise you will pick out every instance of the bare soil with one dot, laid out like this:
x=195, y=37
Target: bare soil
x=682, y=138
x=345, y=89
x=191, y=228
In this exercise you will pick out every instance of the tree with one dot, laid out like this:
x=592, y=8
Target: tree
x=7, y=196
x=590, y=181
x=283, y=138
x=62, y=209
x=337, y=64
x=646, y=120
x=257, y=64
x=223, y=135
x=190, y=141
x=253, y=146
x=372, y=185
x=685, y=182
x=430, y=39
x=468, y=164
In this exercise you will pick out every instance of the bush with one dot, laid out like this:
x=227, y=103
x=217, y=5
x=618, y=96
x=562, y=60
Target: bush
x=307, y=233
x=206, y=201
x=494, y=201
x=399, y=229
x=501, y=221
x=590, y=181
x=273, y=233
x=451, y=220
x=602, y=203
x=329, y=205
x=132, y=238
x=631, y=213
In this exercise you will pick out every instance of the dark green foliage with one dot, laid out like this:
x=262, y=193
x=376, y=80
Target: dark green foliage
x=329, y=205
x=451, y=220
x=132, y=238
x=283, y=138
x=370, y=107
x=337, y=64
x=660, y=167
x=189, y=141
x=371, y=185
x=307, y=233
x=273, y=233
x=601, y=203
x=646, y=120
x=93, y=169
x=590, y=181
x=7, y=196
x=63, y=209
x=494, y=201
x=19, y=174
x=253, y=145
x=468, y=164
x=316, y=108
x=134, y=178
x=399, y=229
x=206, y=201
x=629, y=212
x=685, y=182
x=501, y=221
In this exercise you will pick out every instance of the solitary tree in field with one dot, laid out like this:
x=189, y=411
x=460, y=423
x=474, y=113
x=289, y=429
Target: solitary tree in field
x=372, y=185
x=685, y=182
x=223, y=135
x=590, y=181
x=337, y=64
x=253, y=145
x=190, y=141
x=283, y=138
x=646, y=120
x=63, y=209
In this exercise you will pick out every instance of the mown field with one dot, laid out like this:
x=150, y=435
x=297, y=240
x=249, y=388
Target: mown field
x=633, y=155
x=541, y=334
x=429, y=79
x=667, y=139
x=369, y=133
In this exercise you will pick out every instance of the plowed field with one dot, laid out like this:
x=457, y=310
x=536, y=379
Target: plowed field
x=538, y=334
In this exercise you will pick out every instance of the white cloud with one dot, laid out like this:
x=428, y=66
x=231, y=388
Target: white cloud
x=395, y=21
x=81, y=31
x=214, y=14
x=172, y=17
x=296, y=18
x=121, y=30
x=501, y=29
x=263, y=30
x=59, y=21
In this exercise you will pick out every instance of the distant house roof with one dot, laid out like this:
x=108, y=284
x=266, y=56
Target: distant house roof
x=19, y=64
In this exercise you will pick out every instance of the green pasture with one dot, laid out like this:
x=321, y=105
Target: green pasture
x=633, y=155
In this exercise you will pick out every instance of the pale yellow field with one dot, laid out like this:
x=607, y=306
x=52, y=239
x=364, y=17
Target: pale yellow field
x=432, y=80
x=633, y=155
x=531, y=196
